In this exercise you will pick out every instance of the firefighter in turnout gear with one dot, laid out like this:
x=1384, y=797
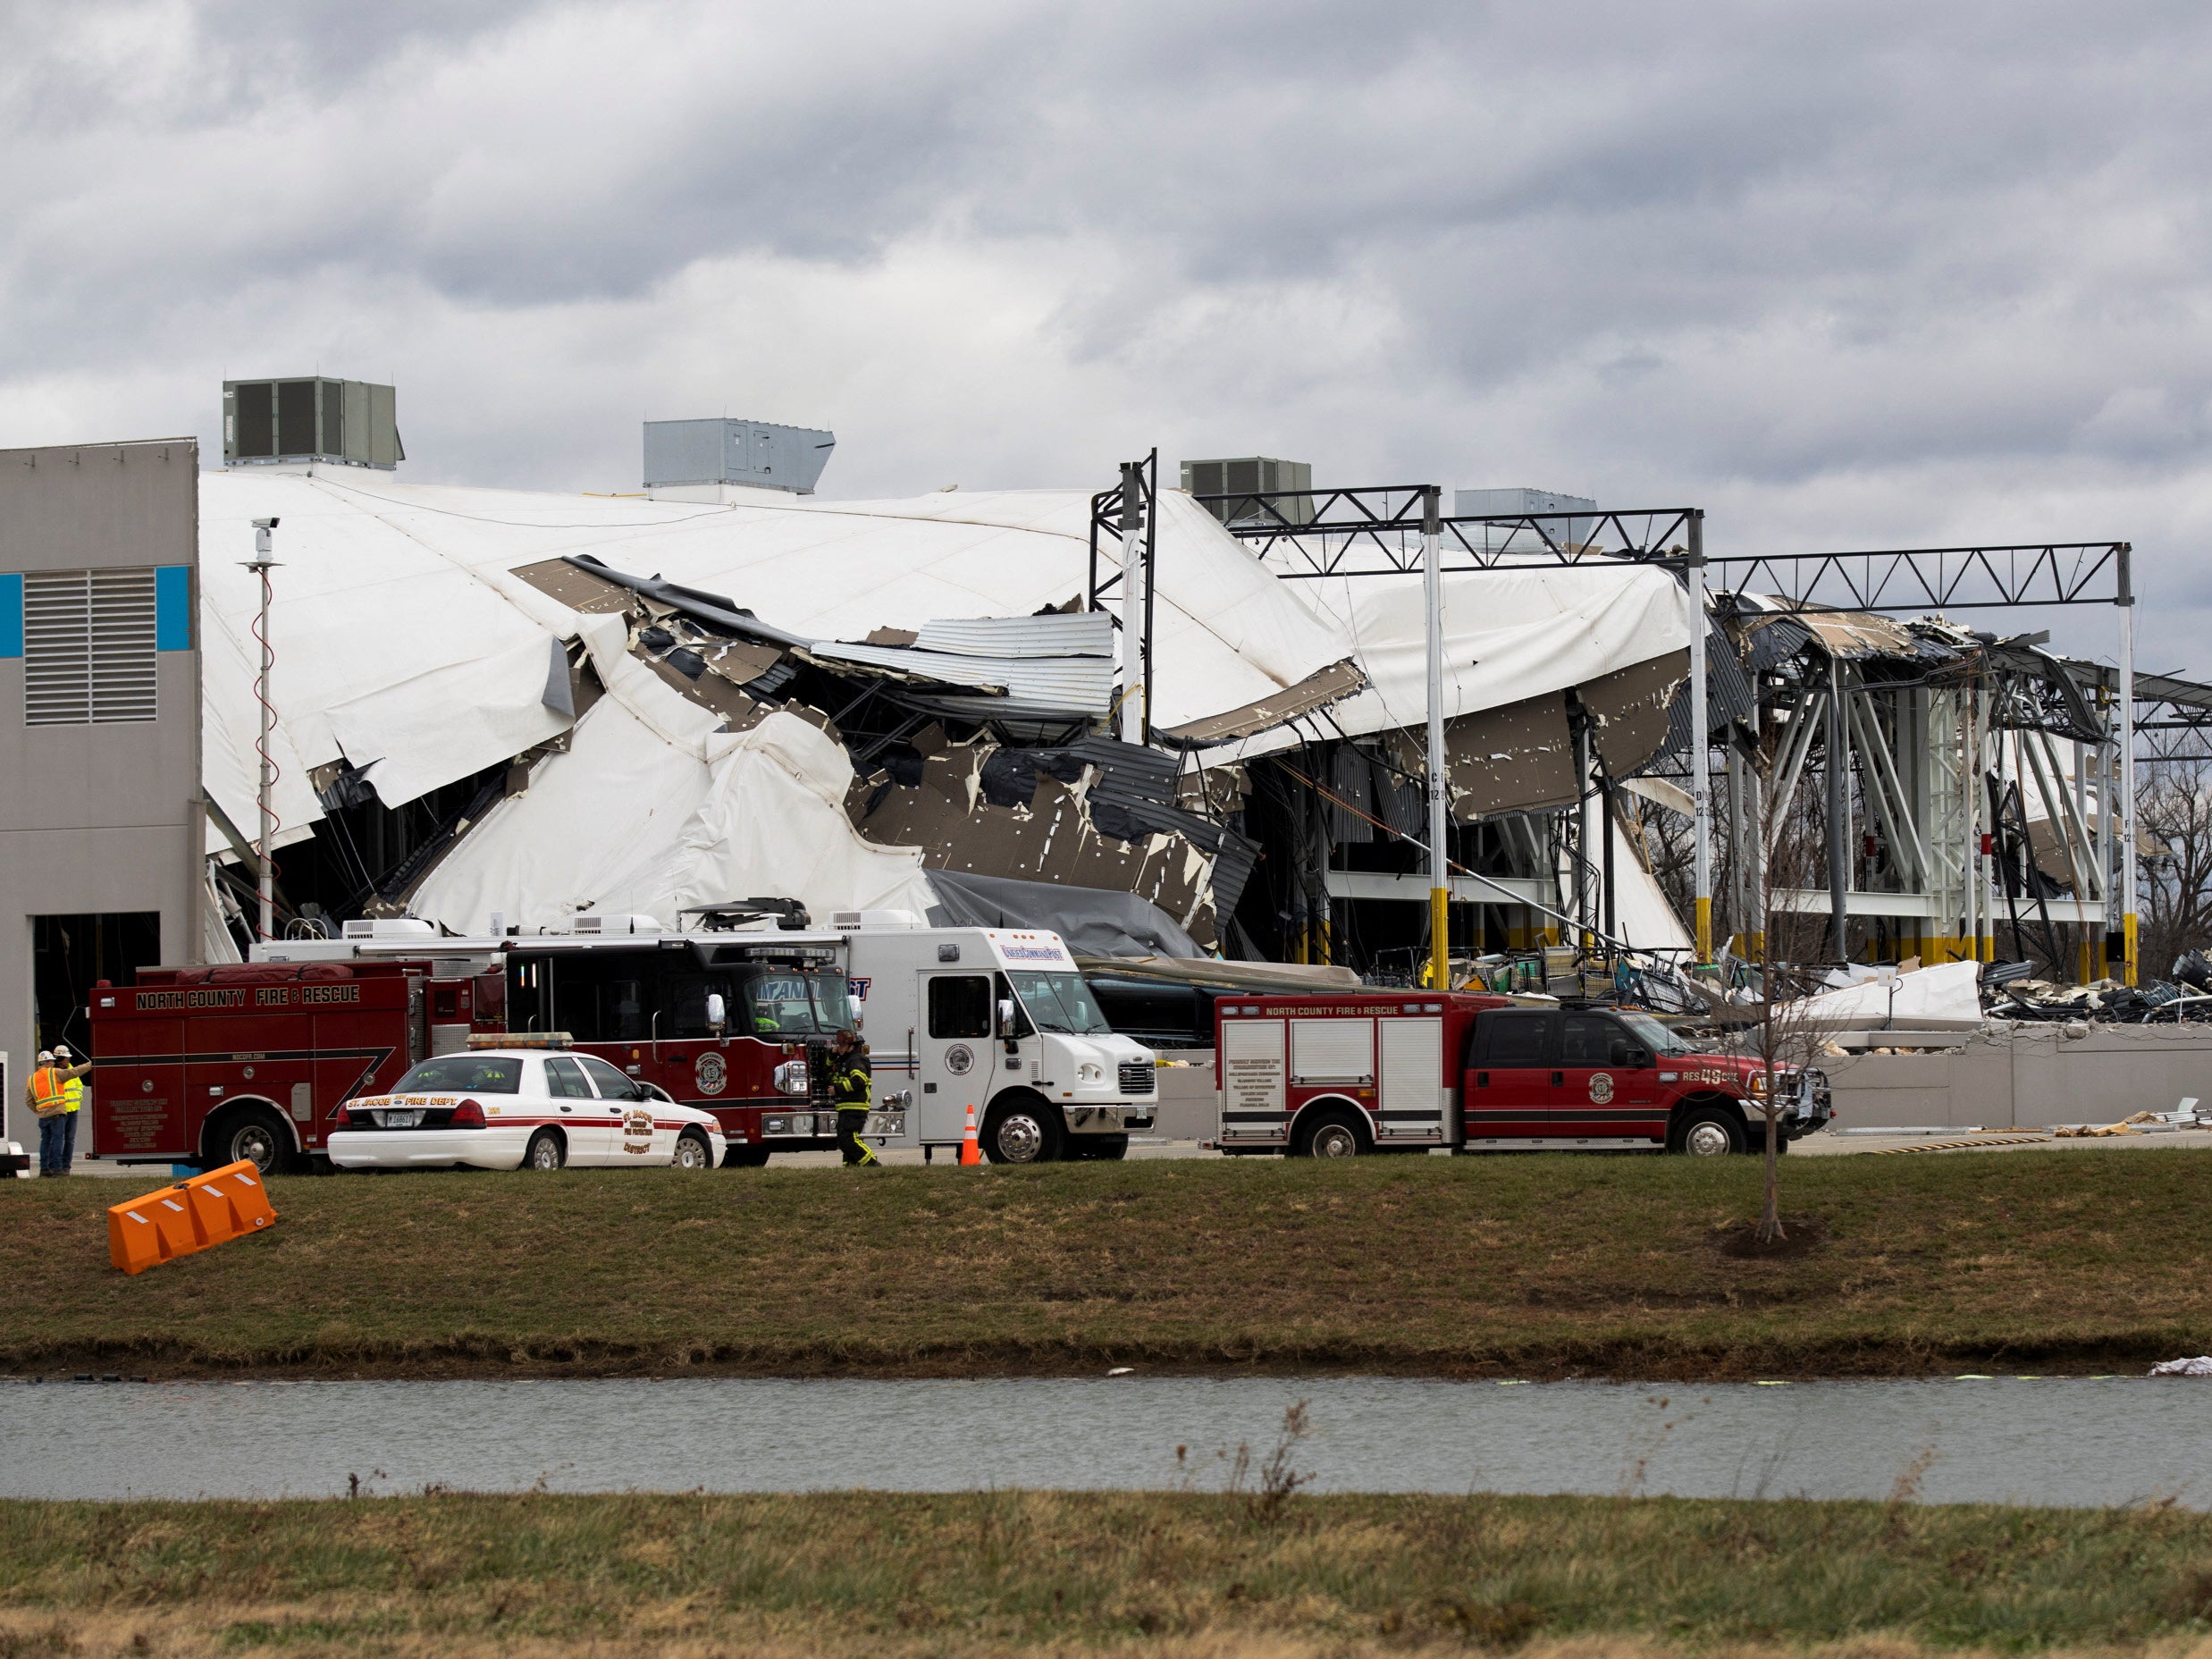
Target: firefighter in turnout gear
x=850, y=1084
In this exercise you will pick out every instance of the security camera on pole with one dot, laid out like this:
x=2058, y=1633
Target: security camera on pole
x=261, y=564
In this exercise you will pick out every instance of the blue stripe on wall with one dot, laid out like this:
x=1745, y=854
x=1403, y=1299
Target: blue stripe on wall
x=172, y=608
x=11, y=615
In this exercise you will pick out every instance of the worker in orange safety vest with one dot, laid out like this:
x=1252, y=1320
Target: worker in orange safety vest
x=52, y=1093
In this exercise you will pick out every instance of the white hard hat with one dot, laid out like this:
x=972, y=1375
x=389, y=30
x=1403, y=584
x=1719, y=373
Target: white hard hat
x=60, y=1050
x=45, y=1054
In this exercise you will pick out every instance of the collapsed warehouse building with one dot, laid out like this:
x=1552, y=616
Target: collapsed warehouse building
x=540, y=706
x=532, y=707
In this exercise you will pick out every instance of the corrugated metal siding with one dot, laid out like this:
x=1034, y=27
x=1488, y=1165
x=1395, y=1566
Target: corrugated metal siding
x=1074, y=685
x=1078, y=634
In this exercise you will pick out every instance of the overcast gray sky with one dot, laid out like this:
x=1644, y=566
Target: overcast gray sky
x=1848, y=274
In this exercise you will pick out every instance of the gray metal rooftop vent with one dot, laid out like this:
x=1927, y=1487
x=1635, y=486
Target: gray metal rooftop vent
x=346, y=423
x=759, y=455
x=1494, y=503
x=1257, y=474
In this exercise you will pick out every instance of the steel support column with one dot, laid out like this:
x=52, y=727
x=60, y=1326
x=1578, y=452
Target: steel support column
x=1838, y=813
x=1701, y=781
x=2127, y=765
x=1439, y=864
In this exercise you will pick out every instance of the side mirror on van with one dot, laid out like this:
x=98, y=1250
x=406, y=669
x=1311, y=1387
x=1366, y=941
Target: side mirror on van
x=1005, y=1017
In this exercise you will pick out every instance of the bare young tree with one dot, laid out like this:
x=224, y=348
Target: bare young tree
x=1793, y=1031
x=2173, y=806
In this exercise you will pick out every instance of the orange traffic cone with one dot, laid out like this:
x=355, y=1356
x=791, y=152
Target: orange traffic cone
x=970, y=1149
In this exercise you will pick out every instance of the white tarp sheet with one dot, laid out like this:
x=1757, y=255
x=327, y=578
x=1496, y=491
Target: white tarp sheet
x=1944, y=998
x=1508, y=635
x=627, y=824
x=401, y=639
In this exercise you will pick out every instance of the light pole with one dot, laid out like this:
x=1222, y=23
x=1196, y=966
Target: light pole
x=261, y=564
x=1136, y=693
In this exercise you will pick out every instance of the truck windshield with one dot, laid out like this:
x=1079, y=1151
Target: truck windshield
x=1652, y=1035
x=797, y=1004
x=463, y=1073
x=1058, y=1002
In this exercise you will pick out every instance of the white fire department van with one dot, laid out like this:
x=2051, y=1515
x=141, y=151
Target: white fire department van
x=997, y=1020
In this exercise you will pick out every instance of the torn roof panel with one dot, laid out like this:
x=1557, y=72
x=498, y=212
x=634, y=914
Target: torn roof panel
x=1509, y=635
x=1317, y=691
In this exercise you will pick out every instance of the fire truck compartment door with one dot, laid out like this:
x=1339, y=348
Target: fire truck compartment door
x=953, y=1055
x=1333, y=1051
x=1254, y=1103
x=1410, y=1100
x=138, y=1107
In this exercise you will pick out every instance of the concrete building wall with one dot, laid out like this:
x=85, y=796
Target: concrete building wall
x=97, y=818
x=2030, y=1080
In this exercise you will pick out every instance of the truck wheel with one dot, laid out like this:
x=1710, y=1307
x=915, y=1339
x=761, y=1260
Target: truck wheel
x=1333, y=1134
x=745, y=1157
x=1023, y=1131
x=693, y=1152
x=1104, y=1149
x=547, y=1151
x=254, y=1136
x=1708, y=1132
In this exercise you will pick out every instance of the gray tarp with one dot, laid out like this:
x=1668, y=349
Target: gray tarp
x=1094, y=922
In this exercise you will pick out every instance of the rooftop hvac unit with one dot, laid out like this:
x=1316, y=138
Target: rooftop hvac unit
x=1250, y=479
x=345, y=423
x=389, y=927
x=1494, y=503
x=595, y=923
x=692, y=453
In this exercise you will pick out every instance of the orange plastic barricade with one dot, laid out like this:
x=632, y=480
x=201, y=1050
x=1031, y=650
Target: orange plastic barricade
x=229, y=1201
x=191, y=1216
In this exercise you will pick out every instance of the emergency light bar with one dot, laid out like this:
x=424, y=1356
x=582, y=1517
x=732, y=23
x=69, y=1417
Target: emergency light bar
x=519, y=1039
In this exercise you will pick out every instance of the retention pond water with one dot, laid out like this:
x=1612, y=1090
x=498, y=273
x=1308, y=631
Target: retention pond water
x=2070, y=1441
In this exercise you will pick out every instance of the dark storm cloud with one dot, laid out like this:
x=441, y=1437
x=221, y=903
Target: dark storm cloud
x=1845, y=273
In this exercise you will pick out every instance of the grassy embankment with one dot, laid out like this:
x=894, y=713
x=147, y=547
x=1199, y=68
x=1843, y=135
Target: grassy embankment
x=1013, y=1573
x=1530, y=1266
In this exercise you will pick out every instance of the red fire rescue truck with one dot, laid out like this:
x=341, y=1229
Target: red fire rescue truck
x=209, y=1065
x=1340, y=1077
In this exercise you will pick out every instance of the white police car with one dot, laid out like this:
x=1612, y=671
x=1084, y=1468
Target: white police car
x=511, y=1108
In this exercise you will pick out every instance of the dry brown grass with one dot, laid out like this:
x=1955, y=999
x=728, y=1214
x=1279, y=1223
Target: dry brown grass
x=1535, y=1265
x=1206, y=1577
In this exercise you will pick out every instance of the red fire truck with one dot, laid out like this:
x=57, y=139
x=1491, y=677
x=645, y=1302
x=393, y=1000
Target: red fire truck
x=1341, y=1076
x=209, y=1065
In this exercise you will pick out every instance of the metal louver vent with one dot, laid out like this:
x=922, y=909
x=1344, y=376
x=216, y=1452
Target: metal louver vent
x=89, y=647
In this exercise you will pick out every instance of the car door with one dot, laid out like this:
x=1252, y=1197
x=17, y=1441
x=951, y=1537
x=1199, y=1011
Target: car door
x=952, y=1054
x=626, y=1112
x=1636, y=1084
x=580, y=1114
x=1586, y=1083
x=1509, y=1092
